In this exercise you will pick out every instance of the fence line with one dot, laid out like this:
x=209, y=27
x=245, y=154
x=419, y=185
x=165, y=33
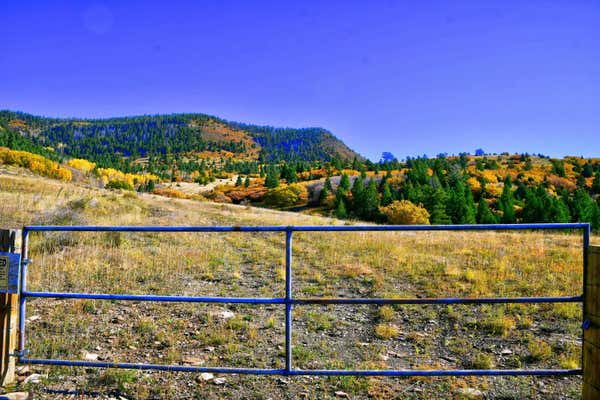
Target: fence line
x=289, y=300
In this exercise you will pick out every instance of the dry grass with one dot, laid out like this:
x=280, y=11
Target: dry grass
x=325, y=264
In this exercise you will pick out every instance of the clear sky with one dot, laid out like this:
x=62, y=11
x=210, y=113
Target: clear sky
x=410, y=77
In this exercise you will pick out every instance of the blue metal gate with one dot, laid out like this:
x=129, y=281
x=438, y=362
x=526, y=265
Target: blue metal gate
x=289, y=300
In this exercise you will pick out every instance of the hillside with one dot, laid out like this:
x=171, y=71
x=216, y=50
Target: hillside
x=154, y=143
x=325, y=264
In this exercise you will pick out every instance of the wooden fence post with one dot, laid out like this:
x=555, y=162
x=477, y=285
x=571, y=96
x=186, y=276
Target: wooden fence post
x=9, y=314
x=591, y=333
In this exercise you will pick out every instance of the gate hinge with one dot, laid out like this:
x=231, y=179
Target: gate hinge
x=20, y=354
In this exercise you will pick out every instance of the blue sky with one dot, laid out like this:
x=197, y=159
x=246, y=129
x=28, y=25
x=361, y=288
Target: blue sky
x=401, y=76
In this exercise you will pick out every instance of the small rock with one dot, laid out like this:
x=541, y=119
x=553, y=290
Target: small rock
x=22, y=369
x=210, y=349
x=383, y=357
x=205, y=377
x=506, y=352
x=33, y=318
x=470, y=393
x=89, y=356
x=15, y=396
x=34, y=378
x=342, y=394
x=226, y=314
x=117, y=319
x=193, y=361
x=219, y=381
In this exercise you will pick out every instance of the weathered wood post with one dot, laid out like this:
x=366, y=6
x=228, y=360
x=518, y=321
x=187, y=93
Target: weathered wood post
x=9, y=313
x=591, y=325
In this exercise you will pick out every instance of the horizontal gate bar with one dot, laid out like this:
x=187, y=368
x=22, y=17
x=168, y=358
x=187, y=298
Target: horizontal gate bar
x=439, y=372
x=159, y=367
x=321, y=372
x=307, y=228
x=448, y=300
x=278, y=300
x=141, y=297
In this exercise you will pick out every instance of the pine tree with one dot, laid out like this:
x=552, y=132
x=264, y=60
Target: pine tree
x=340, y=211
x=436, y=205
x=323, y=194
x=458, y=209
x=588, y=170
x=507, y=203
x=272, y=178
x=247, y=181
x=328, y=184
x=470, y=210
x=595, y=220
x=358, y=194
x=484, y=214
x=386, y=195
x=238, y=181
x=596, y=183
x=582, y=206
x=344, y=186
x=370, y=206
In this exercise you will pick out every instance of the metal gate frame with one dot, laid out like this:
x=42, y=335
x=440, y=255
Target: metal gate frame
x=289, y=301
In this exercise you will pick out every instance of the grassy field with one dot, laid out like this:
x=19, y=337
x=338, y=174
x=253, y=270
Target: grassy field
x=325, y=264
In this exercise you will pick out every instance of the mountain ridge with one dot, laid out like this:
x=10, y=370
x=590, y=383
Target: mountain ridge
x=177, y=134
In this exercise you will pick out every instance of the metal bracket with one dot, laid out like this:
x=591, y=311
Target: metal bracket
x=586, y=324
x=26, y=261
x=20, y=354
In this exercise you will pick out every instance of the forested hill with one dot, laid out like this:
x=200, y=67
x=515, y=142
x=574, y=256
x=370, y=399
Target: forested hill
x=119, y=142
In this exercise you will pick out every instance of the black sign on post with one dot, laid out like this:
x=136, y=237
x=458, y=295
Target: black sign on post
x=9, y=272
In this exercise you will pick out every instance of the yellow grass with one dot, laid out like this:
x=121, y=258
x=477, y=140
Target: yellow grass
x=384, y=264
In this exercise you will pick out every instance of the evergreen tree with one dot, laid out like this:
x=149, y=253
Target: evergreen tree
x=532, y=210
x=588, y=170
x=581, y=183
x=386, y=195
x=328, y=184
x=247, y=181
x=238, y=181
x=272, y=178
x=596, y=183
x=595, y=220
x=470, y=210
x=436, y=206
x=323, y=194
x=460, y=207
x=288, y=173
x=370, y=206
x=358, y=194
x=484, y=214
x=340, y=211
x=581, y=206
x=344, y=186
x=507, y=203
